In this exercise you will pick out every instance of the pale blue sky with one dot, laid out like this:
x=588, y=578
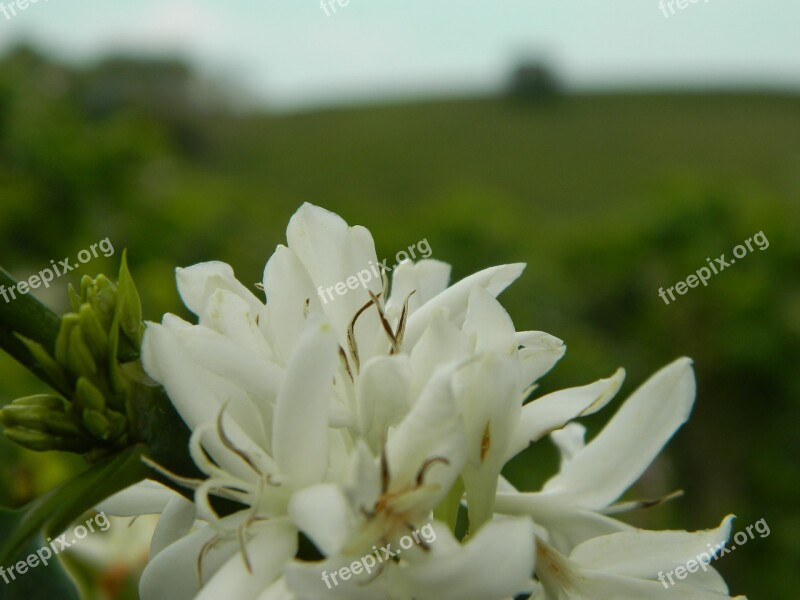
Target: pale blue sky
x=291, y=54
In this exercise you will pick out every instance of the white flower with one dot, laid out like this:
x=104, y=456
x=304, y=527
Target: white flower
x=572, y=506
x=286, y=398
x=635, y=565
x=354, y=422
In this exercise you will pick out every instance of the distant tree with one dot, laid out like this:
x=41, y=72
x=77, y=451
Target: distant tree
x=534, y=81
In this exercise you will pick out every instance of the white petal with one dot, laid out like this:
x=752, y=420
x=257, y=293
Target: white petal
x=175, y=522
x=426, y=278
x=497, y=562
x=269, y=551
x=323, y=513
x=488, y=393
x=563, y=578
x=197, y=283
x=569, y=441
x=332, y=253
x=147, y=497
x=611, y=462
x=383, y=397
x=300, y=433
x=488, y=324
x=288, y=287
x=172, y=574
x=644, y=553
x=455, y=298
x=567, y=526
x=553, y=411
x=441, y=343
x=433, y=429
x=539, y=353
x=198, y=395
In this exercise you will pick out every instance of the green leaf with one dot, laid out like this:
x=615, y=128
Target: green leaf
x=56, y=510
x=42, y=581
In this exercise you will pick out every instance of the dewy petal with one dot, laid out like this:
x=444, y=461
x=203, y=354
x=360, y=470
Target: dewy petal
x=553, y=411
x=611, y=462
x=197, y=283
x=645, y=553
x=494, y=564
x=456, y=297
x=300, y=428
x=269, y=552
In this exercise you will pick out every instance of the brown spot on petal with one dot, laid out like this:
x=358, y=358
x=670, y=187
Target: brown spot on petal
x=486, y=442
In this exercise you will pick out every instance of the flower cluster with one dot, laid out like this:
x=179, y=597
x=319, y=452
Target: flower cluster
x=328, y=431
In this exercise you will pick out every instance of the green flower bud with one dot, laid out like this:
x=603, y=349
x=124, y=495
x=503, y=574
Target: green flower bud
x=128, y=304
x=97, y=424
x=44, y=400
x=93, y=333
x=79, y=357
x=30, y=417
x=88, y=396
x=104, y=300
x=42, y=442
x=33, y=440
x=68, y=323
x=75, y=298
x=118, y=424
x=63, y=425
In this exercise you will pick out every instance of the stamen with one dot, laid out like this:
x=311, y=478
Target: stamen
x=343, y=356
x=386, y=327
x=226, y=441
x=351, y=333
x=240, y=534
x=384, y=473
x=203, y=551
x=401, y=327
x=427, y=465
x=186, y=482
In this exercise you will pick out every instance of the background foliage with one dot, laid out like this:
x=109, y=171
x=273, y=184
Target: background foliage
x=606, y=197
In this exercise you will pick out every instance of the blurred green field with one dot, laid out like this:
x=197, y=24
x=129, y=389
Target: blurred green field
x=605, y=197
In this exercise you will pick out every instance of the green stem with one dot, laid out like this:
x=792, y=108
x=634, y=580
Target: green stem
x=25, y=315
